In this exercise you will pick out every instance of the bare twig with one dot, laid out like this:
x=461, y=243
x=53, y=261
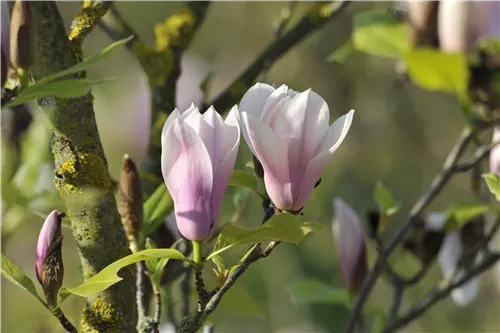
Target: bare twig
x=65, y=323
x=437, y=185
x=157, y=294
x=481, y=153
x=314, y=19
x=438, y=294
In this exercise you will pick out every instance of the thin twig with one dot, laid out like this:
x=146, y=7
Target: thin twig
x=438, y=294
x=436, y=186
x=481, y=153
x=313, y=20
x=157, y=295
x=397, y=297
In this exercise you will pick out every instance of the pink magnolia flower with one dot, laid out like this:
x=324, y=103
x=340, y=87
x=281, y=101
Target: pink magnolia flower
x=495, y=153
x=462, y=23
x=349, y=238
x=50, y=232
x=198, y=156
x=289, y=133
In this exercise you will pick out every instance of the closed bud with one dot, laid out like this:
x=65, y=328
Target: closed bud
x=495, y=152
x=425, y=238
x=22, y=36
x=49, y=264
x=130, y=205
x=351, y=248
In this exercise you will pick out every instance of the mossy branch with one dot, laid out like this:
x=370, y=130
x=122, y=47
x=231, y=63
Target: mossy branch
x=83, y=180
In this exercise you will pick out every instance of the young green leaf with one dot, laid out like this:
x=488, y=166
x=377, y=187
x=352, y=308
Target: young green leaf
x=240, y=262
x=438, y=71
x=378, y=33
x=108, y=276
x=309, y=291
x=282, y=227
x=341, y=53
x=385, y=200
x=87, y=62
x=246, y=179
x=219, y=262
x=493, y=182
x=15, y=275
x=156, y=209
x=462, y=212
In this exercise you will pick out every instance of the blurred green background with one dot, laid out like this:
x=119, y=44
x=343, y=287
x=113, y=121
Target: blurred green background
x=400, y=135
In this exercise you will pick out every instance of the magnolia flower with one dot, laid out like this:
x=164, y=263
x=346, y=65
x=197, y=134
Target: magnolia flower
x=495, y=153
x=348, y=235
x=289, y=133
x=449, y=257
x=462, y=23
x=49, y=265
x=198, y=156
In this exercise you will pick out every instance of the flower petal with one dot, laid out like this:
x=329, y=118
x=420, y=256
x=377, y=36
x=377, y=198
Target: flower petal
x=495, y=152
x=187, y=171
x=269, y=150
x=47, y=235
x=271, y=102
x=174, y=115
x=255, y=98
x=349, y=239
x=331, y=141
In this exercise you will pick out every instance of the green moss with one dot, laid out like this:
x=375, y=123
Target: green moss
x=101, y=317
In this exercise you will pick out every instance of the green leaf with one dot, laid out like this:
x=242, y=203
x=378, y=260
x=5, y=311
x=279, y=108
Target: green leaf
x=438, y=71
x=15, y=275
x=219, y=262
x=493, y=182
x=385, y=200
x=379, y=33
x=379, y=321
x=309, y=291
x=156, y=209
x=244, y=178
x=245, y=256
x=341, y=53
x=87, y=62
x=108, y=276
x=282, y=227
x=462, y=212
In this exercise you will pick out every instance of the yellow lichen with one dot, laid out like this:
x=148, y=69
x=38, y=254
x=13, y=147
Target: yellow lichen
x=101, y=317
x=171, y=32
x=68, y=166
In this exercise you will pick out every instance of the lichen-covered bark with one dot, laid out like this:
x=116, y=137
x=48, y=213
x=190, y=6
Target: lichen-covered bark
x=83, y=180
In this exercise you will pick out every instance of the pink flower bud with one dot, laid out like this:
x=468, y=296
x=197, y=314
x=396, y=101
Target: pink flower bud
x=197, y=160
x=462, y=23
x=349, y=238
x=449, y=257
x=495, y=153
x=49, y=265
x=289, y=133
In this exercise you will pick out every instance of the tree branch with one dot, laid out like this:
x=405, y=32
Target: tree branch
x=437, y=184
x=319, y=14
x=88, y=17
x=83, y=180
x=438, y=294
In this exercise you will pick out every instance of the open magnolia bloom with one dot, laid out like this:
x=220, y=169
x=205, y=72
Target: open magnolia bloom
x=495, y=152
x=350, y=241
x=289, y=133
x=197, y=160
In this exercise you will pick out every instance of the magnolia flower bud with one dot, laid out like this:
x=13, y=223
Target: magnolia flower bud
x=348, y=235
x=449, y=257
x=495, y=152
x=425, y=238
x=49, y=264
x=289, y=134
x=462, y=23
x=22, y=36
x=197, y=160
x=130, y=204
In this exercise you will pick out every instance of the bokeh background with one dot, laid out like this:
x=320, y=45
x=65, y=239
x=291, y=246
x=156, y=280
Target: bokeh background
x=400, y=135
